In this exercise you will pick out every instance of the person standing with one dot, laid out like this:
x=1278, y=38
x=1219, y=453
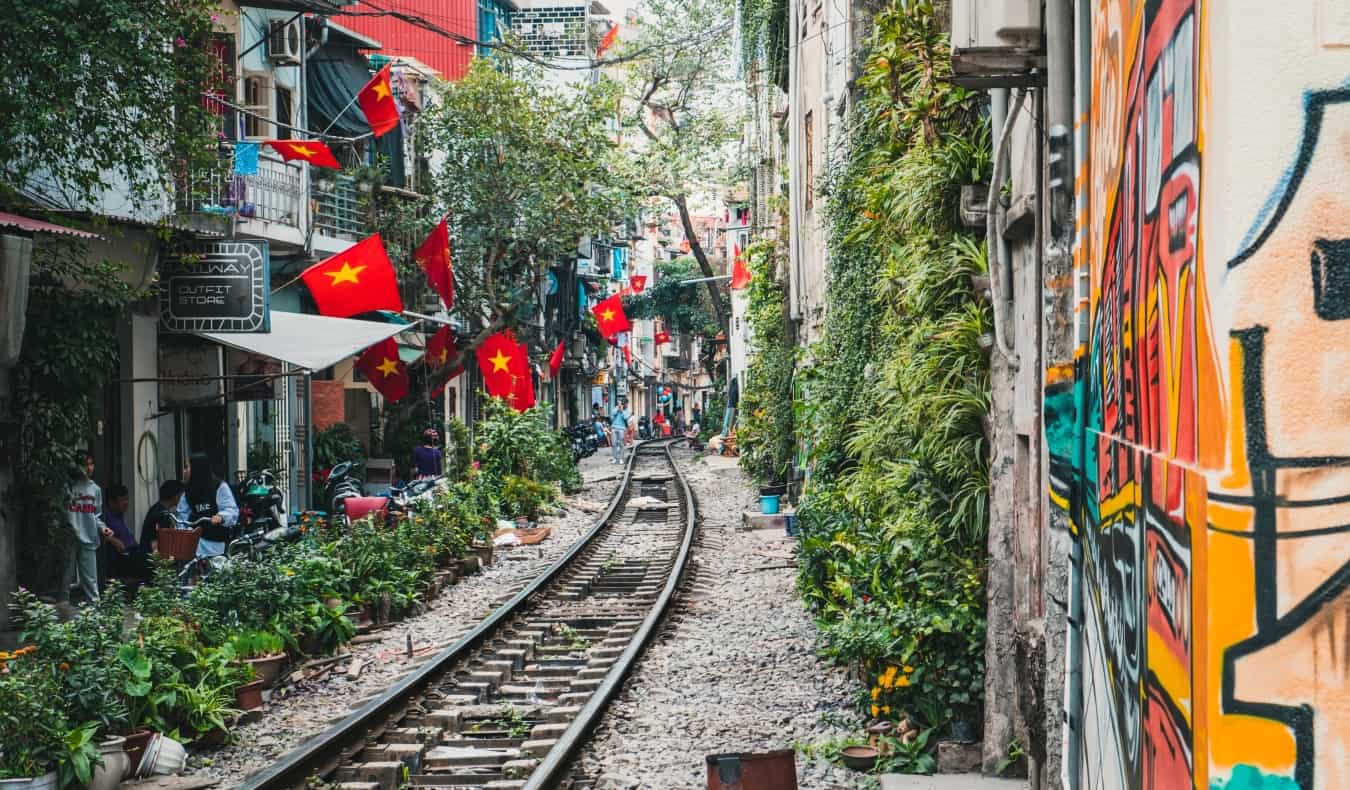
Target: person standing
x=208, y=497
x=84, y=501
x=733, y=401
x=618, y=423
x=427, y=456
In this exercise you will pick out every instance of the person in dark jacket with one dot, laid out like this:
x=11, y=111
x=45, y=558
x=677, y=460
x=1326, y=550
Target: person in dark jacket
x=427, y=456
x=211, y=498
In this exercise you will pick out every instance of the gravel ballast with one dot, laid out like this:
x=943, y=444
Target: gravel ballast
x=297, y=712
x=734, y=669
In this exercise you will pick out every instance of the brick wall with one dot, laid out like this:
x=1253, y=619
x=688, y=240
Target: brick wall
x=329, y=403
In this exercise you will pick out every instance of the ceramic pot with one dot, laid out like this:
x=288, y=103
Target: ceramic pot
x=267, y=668
x=136, y=743
x=115, y=763
x=249, y=696
x=163, y=756
x=860, y=758
x=44, y=782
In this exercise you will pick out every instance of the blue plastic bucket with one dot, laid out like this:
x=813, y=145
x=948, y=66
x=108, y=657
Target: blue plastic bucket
x=768, y=505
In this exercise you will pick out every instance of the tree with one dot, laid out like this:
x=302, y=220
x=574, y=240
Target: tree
x=100, y=92
x=677, y=96
x=683, y=308
x=524, y=170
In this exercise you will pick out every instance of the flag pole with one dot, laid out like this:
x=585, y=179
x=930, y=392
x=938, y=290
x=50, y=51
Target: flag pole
x=341, y=113
x=288, y=283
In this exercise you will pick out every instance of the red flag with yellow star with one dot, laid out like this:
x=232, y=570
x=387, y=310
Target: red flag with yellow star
x=434, y=258
x=740, y=276
x=498, y=359
x=386, y=371
x=638, y=282
x=312, y=151
x=441, y=349
x=377, y=102
x=522, y=384
x=555, y=359
x=357, y=280
x=610, y=318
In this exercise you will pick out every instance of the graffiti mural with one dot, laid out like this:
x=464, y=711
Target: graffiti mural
x=1201, y=443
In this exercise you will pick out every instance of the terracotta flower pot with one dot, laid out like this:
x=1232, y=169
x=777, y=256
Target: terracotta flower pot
x=135, y=746
x=249, y=696
x=267, y=668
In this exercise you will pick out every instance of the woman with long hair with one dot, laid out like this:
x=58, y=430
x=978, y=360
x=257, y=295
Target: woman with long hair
x=208, y=497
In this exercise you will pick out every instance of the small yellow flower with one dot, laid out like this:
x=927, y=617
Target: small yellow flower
x=888, y=677
x=885, y=708
x=876, y=692
x=908, y=669
x=902, y=682
x=876, y=710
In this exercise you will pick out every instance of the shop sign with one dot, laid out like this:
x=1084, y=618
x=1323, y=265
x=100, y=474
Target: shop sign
x=222, y=287
x=190, y=373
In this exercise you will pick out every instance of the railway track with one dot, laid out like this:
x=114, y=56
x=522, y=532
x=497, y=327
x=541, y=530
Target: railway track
x=510, y=703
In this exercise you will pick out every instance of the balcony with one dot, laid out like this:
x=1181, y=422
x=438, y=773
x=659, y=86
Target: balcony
x=339, y=211
x=270, y=204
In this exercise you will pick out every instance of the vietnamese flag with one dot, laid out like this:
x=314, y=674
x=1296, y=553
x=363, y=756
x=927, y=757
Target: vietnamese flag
x=497, y=359
x=662, y=337
x=377, y=102
x=441, y=349
x=627, y=356
x=610, y=318
x=638, y=282
x=386, y=371
x=312, y=151
x=434, y=258
x=555, y=359
x=611, y=36
x=357, y=280
x=522, y=385
x=740, y=276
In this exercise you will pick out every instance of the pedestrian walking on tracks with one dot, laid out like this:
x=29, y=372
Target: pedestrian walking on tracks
x=618, y=423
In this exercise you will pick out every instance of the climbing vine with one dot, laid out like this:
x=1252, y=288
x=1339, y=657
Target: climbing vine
x=766, y=433
x=895, y=514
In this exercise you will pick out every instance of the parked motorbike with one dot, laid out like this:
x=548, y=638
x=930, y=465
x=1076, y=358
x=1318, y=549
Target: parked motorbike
x=262, y=517
x=644, y=428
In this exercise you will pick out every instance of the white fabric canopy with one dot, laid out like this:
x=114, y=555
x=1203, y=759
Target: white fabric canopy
x=312, y=342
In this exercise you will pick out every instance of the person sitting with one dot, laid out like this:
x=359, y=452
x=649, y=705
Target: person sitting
x=660, y=422
x=128, y=559
x=161, y=515
x=210, y=498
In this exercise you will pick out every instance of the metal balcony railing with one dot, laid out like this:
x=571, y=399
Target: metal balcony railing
x=338, y=209
x=274, y=194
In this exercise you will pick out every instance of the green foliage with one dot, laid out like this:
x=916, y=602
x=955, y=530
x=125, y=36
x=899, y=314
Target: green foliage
x=522, y=496
x=338, y=443
x=523, y=444
x=112, y=94
x=527, y=171
x=682, y=308
x=765, y=30
x=31, y=728
x=766, y=434
x=458, y=450
x=79, y=756
x=895, y=516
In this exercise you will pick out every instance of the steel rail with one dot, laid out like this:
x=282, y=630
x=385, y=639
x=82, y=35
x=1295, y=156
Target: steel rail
x=326, y=751
x=558, y=760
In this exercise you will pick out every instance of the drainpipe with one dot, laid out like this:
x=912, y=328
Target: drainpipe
x=1068, y=50
x=1000, y=271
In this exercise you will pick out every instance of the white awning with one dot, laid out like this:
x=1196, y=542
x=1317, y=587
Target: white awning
x=312, y=342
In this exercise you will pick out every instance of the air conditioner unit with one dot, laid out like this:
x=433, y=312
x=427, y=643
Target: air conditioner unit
x=284, y=41
x=996, y=43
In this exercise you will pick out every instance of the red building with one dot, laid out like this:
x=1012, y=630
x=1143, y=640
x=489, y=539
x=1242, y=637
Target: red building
x=401, y=37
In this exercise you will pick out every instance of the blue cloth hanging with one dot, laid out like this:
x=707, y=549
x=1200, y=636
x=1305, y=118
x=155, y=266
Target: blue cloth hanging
x=246, y=159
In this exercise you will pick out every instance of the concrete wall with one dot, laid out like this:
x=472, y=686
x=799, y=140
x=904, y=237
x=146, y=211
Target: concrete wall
x=1208, y=478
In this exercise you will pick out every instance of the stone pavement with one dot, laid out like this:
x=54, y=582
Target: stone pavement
x=948, y=782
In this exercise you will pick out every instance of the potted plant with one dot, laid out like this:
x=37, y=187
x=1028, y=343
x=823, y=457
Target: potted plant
x=264, y=652
x=82, y=760
x=248, y=696
x=144, y=700
x=205, y=706
x=32, y=730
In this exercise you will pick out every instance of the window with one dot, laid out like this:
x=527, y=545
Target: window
x=809, y=176
x=256, y=101
x=285, y=113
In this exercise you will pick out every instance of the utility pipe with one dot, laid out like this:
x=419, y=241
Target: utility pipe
x=1000, y=279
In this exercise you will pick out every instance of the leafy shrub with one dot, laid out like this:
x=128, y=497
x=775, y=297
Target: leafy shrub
x=766, y=435
x=524, y=497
